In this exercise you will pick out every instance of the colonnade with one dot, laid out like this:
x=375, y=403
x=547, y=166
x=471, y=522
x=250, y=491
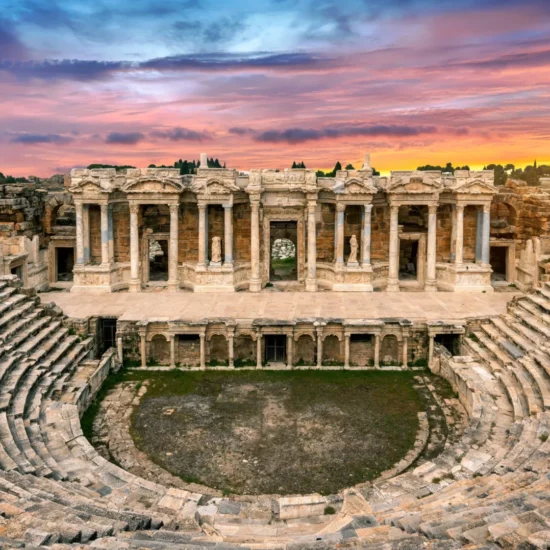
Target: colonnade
x=366, y=218
x=82, y=210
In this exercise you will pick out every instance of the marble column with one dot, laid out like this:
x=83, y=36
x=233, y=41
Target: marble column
x=172, y=351
x=173, y=282
x=259, y=361
x=486, y=235
x=431, y=283
x=289, y=350
x=255, y=280
x=452, y=253
x=346, y=350
x=311, y=280
x=104, y=234
x=79, y=234
x=459, y=246
x=86, y=232
x=393, y=272
x=202, y=236
x=366, y=241
x=405, y=359
x=120, y=350
x=228, y=233
x=377, y=351
x=479, y=233
x=340, y=212
x=143, y=348
x=319, y=349
x=135, y=284
x=231, y=349
x=202, y=336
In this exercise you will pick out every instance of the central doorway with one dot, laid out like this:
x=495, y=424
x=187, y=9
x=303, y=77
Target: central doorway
x=408, y=260
x=498, y=261
x=158, y=260
x=283, y=265
x=275, y=348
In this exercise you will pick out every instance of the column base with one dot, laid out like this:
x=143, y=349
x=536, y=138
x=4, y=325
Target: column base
x=430, y=286
x=311, y=285
x=173, y=286
x=393, y=285
x=255, y=285
x=134, y=286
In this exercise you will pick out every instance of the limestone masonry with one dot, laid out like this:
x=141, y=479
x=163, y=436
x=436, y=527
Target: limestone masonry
x=303, y=273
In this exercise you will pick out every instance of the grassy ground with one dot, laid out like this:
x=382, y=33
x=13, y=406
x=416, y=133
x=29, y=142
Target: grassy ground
x=283, y=269
x=260, y=432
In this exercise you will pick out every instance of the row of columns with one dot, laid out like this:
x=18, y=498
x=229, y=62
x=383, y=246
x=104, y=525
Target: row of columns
x=259, y=349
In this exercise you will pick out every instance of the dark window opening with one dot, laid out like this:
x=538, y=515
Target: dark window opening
x=107, y=334
x=360, y=337
x=408, y=260
x=449, y=341
x=18, y=271
x=158, y=260
x=65, y=263
x=498, y=262
x=275, y=348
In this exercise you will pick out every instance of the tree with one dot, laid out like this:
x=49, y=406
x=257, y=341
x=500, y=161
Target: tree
x=349, y=167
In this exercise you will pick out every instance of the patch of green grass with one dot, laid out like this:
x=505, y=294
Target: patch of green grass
x=418, y=363
x=473, y=337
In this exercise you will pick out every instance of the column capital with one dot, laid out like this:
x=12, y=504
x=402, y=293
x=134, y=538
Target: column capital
x=134, y=208
x=487, y=208
x=202, y=205
x=368, y=208
x=460, y=207
x=174, y=208
x=394, y=208
x=227, y=206
x=340, y=207
x=311, y=206
x=432, y=208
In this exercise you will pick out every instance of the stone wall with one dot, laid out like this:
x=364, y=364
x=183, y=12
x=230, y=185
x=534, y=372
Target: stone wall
x=188, y=233
x=380, y=237
x=470, y=233
x=215, y=227
x=121, y=230
x=444, y=230
x=95, y=233
x=361, y=351
x=325, y=233
x=241, y=232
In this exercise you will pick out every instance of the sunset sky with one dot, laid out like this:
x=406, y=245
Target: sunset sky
x=262, y=83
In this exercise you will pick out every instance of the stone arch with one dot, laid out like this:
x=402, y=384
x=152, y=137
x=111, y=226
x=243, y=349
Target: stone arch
x=218, y=349
x=389, y=351
x=305, y=354
x=245, y=349
x=503, y=215
x=160, y=349
x=332, y=350
x=54, y=205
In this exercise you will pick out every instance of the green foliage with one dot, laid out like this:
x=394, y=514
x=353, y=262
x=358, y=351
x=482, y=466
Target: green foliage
x=116, y=167
x=244, y=363
x=447, y=168
x=418, y=363
x=216, y=363
x=473, y=337
x=12, y=179
x=543, y=437
x=298, y=164
x=349, y=167
x=330, y=510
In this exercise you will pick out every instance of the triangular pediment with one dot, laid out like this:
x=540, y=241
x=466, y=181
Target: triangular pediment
x=152, y=185
x=416, y=184
x=353, y=186
x=90, y=186
x=476, y=187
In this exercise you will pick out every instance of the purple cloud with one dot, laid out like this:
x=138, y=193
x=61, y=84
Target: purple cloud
x=181, y=134
x=125, y=138
x=36, y=139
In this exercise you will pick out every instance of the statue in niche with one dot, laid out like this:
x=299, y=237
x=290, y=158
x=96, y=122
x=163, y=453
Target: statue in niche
x=352, y=259
x=216, y=250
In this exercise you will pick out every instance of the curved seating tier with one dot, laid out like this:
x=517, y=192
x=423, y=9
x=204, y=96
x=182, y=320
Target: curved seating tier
x=488, y=489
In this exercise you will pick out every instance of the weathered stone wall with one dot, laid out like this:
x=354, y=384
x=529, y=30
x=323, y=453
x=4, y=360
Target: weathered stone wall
x=218, y=350
x=470, y=229
x=361, y=351
x=390, y=350
x=325, y=233
x=188, y=233
x=245, y=348
x=305, y=353
x=188, y=351
x=21, y=209
x=95, y=233
x=380, y=236
x=333, y=350
x=215, y=226
x=241, y=232
x=352, y=226
x=121, y=232
x=444, y=230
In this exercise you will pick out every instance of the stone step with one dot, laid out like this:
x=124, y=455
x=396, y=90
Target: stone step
x=529, y=306
x=542, y=380
x=493, y=340
x=531, y=320
x=47, y=330
x=11, y=448
x=54, y=341
x=15, y=313
x=539, y=300
x=16, y=327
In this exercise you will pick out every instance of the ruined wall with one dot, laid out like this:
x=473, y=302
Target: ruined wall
x=215, y=227
x=95, y=233
x=188, y=233
x=361, y=351
x=21, y=210
x=444, y=231
x=380, y=235
x=121, y=232
x=188, y=350
x=304, y=353
x=470, y=229
x=353, y=222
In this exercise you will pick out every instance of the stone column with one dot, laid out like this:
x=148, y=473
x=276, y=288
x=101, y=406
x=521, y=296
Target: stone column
x=143, y=347
x=479, y=233
x=255, y=280
x=228, y=233
x=459, y=246
x=289, y=350
x=319, y=349
x=202, y=336
x=172, y=351
x=405, y=360
x=231, y=348
x=431, y=349
x=202, y=236
x=346, y=350
x=452, y=253
x=104, y=235
x=431, y=283
x=173, y=280
x=486, y=235
x=377, y=351
x=135, y=284
x=311, y=280
x=340, y=211
x=111, y=233
x=86, y=232
x=393, y=272
x=120, y=351
x=79, y=234
x=259, y=350
x=366, y=241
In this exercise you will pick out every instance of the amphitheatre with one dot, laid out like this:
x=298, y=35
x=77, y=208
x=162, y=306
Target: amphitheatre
x=268, y=359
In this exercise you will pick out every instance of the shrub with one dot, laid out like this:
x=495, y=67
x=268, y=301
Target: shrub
x=329, y=511
x=543, y=437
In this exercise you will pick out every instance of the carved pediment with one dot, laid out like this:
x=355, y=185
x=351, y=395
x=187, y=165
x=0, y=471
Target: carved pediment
x=476, y=187
x=95, y=185
x=214, y=186
x=152, y=185
x=416, y=183
x=353, y=186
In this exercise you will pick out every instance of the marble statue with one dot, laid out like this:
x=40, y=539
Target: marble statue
x=216, y=250
x=352, y=259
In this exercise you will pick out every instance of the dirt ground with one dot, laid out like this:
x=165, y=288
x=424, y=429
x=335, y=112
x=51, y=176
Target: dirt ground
x=274, y=432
